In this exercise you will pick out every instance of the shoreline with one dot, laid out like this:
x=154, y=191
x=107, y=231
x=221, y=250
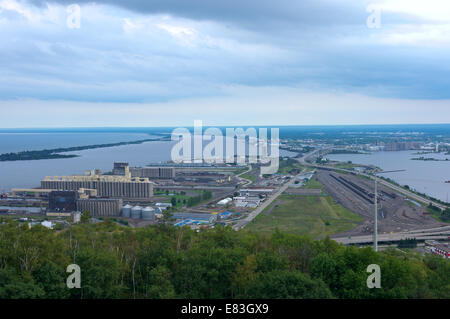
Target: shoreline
x=56, y=153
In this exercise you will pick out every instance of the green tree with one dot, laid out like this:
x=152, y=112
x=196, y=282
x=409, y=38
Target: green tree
x=287, y=285
x=85, y=217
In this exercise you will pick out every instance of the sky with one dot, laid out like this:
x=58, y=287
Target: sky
x=252, y=62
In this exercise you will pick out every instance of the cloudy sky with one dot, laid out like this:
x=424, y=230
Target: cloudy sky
x=234, y=62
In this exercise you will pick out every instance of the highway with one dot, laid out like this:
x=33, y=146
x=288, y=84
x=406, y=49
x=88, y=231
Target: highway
x=441, y=233
x=399, y=189
x=436, y=234
x=243, y=222
x=421, y=234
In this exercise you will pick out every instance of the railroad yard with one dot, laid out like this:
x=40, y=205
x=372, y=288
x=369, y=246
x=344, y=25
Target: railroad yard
x=395, y=212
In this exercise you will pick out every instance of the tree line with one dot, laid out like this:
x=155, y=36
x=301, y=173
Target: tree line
x=163, y=261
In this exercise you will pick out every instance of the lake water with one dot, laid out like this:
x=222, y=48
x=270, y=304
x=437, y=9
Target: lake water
x=24, y=141
x=424, y=176
x=28, y=174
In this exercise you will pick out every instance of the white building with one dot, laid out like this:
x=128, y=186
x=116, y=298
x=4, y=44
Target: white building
x=47, y=224
x=225, y=201
x=76, y=217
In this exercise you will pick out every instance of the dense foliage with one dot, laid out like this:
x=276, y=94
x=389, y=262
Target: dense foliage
x=205, y=195
x=166, y=262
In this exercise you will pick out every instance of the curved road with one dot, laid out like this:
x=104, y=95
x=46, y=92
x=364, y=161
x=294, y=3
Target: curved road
x=399, y=189
x=243, y=222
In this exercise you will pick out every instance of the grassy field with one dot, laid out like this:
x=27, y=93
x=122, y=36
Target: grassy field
x=182, y=200
x=313, y=183
x=249, y=177
x=285, y=166
x=345, y=165
x=317, y=216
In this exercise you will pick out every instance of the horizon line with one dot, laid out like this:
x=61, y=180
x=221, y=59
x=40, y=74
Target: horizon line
x=257, y=125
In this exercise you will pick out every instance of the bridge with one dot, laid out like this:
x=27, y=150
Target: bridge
x=399, y=189
x=439, y=233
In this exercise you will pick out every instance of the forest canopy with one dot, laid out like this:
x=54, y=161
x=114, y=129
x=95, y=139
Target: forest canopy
x=166, y=262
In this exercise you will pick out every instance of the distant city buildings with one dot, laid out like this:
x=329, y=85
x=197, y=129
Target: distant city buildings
x=403, y=146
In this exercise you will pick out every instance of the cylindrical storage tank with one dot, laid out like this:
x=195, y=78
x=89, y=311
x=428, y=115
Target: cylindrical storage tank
x=126, y=211
x=136, y=212
x=148, y=213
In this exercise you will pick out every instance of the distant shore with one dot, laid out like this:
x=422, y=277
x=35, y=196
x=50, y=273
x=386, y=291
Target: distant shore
x=56, y=152
x=428, y=159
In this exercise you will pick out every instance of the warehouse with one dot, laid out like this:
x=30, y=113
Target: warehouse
x=100, y=207
x=106, y=185
x=62, y=201
x=153, y=172
x=205, y=218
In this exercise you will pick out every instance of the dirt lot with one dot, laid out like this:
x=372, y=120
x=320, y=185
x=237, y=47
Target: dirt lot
x=395, y=213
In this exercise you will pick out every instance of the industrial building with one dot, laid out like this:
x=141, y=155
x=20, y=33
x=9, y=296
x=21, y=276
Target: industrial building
x=137, y=212
x=100, y=207
x=105, y=185
x=62, y=201
x=403, y=146
x=199, y=217
x=255, y=191
x=247, y=201
x=225, y=215
x=306, y=176
x=163, y=206
x=153, y=172
x=119, y=168
x=225, y=201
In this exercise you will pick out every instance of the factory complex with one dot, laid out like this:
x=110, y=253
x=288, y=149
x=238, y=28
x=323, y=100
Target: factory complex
x=122, y=186
x=129, y=193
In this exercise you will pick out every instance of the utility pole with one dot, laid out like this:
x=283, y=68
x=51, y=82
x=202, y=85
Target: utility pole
x=375, y=225
x=375, y=217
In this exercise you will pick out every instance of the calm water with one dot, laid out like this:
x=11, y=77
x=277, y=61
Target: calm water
x=23, y=141
x=28, y=174
x=424, y=176
x=25, y=174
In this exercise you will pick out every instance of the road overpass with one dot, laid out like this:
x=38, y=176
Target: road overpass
x=303, y=161
x=437, y=234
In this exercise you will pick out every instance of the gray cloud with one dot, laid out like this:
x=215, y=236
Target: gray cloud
x=249, y=12
x=321, y=45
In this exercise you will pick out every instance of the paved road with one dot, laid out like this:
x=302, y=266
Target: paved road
x=399, y=189
x=247, y=181
x=243, y=222
x=444, y=235
x=435, y=233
